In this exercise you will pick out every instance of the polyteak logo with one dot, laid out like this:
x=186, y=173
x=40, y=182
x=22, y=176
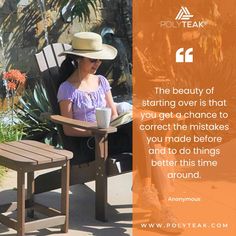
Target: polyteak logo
x=182, y=56
x=182, y=20
x=183, y=14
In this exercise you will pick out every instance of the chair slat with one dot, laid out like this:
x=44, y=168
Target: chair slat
x=50, y=57
x=67, y=46
x=49, y=63
x=42, y=64
x=57, y=49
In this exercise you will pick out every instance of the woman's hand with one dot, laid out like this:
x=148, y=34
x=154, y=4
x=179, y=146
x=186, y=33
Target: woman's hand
x=113, y=117
x=111, y=104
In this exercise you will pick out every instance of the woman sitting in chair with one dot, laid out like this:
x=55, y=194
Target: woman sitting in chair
x=83, y=91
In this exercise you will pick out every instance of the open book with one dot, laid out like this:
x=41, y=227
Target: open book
x=122, y=119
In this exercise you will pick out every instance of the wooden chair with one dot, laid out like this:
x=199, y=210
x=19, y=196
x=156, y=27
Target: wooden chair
x=99, y=169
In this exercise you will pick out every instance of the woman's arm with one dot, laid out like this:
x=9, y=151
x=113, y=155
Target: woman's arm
x=111, y=104
x=66, y=110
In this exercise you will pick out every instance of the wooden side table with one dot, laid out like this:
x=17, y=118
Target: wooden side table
x=27, y=156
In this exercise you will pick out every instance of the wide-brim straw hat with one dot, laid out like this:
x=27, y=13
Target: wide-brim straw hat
x=89, y=44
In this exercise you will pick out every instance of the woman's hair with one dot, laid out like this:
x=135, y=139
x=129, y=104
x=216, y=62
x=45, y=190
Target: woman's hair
x=68, y=66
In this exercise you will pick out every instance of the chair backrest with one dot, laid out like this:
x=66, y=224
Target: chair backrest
x=49, y=63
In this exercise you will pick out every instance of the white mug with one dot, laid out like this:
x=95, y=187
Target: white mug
x=103, y=117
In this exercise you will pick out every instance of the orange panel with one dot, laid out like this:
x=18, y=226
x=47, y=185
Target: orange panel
x=184, y=86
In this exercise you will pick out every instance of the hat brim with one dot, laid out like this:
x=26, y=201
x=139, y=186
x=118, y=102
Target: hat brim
x=107, y=53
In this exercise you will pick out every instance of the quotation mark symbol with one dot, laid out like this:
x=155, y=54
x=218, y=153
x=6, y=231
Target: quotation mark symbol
x=182, y=56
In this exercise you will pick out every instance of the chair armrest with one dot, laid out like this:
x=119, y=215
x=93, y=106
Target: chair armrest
x=82, y=124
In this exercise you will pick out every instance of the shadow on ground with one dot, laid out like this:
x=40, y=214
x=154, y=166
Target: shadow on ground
x=82, y=212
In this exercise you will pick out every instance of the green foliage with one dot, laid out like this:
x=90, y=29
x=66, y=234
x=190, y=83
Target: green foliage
x=10, y=132
x=81, y=8
x=33, y=110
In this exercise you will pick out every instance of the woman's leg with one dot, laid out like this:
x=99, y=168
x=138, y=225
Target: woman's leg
x=121, y=141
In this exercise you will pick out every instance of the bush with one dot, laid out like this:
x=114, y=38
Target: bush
x=9, y=133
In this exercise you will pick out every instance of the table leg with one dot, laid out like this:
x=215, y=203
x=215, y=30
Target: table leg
x=20, y=203
x=65, y=177
x=101, y=178
x=30, y=193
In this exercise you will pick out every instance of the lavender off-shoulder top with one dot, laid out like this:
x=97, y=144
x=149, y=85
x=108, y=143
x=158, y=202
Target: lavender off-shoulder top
x=84, y=104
